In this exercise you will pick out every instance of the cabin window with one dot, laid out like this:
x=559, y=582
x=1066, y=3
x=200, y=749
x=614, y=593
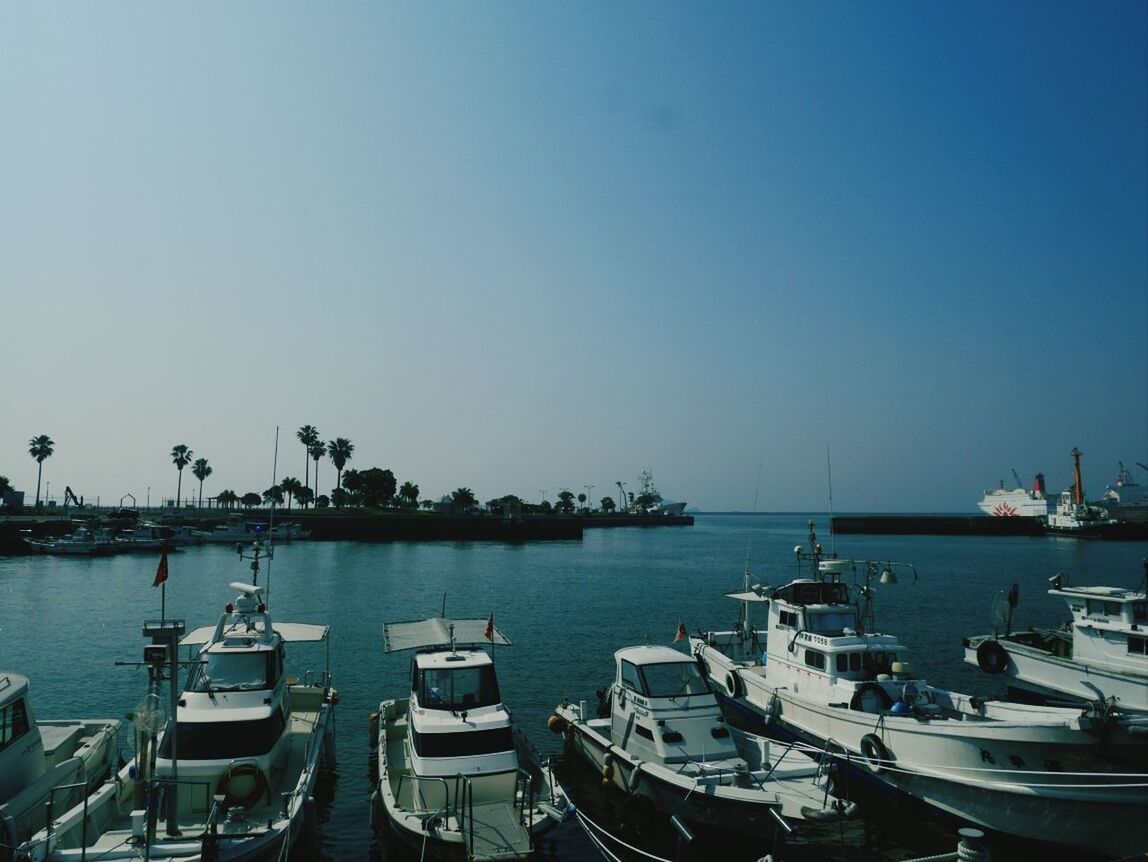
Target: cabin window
x=464, y=744
x=234, y=671
x=673, y=679
x=848, y=661
x=630, y=677
x=13, y=722
x=1100, y=608
x=816, y=659
x=458, y=688
x=1140, y=612
x=225, y=740
x=644, y=731
x=1136, y=646
x=834, y=623
x=788, y=618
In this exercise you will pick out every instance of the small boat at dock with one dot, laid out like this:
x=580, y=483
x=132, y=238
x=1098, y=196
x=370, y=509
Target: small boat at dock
x=659, y=732
x=818, y=671
x=228, y=773
x=46, y=765
x=456, y=779
x=1100, y=654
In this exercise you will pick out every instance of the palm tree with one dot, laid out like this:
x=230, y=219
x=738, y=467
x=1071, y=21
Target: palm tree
x=290, y=486
x=317, y=451
x=308, y=435
x=339, y=450
x=273, y=495
x=181, y=457
x=463, y=498
x=201, y=471
x=5, y=486
x=227, y=498
x=410, y=493
x=40, y=448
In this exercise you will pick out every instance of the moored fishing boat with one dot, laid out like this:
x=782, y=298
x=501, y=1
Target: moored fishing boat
x=85, y=540
x=1070, y=776
x=658, y=732
x=232, y=776
x=456, y=779
x=1100, y=653
x=45, y=765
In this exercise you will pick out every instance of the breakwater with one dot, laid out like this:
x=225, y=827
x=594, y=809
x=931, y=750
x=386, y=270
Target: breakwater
x=969, y=525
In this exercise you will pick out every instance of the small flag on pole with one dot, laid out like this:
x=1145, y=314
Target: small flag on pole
x=682, y=634
x=161, y=571
x=489, y=633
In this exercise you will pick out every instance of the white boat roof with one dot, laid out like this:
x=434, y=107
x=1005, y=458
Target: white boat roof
x=436, y=632
x=653, y=654
x=753, y=594
x=1114, y=593
x=290, y=632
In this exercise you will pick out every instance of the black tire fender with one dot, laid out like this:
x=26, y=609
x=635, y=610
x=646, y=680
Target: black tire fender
x=991, y=657
x=874, y=752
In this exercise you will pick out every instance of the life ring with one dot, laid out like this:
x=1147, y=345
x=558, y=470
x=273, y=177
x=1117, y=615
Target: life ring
x=866, y=688
x=874, y=751
x=242, y=770
x=991, y=657
x=733, y=684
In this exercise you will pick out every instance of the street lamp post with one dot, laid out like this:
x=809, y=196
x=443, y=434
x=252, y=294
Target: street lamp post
x=589, y=499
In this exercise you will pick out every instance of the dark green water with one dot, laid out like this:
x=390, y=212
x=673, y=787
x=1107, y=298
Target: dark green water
x=567, y=606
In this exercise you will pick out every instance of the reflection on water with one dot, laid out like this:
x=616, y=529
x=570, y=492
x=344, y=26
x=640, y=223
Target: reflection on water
x=566, y=606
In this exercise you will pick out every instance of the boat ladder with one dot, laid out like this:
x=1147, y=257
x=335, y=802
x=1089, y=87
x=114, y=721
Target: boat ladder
x=497, y=829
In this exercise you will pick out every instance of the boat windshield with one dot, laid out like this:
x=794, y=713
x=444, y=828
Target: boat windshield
x=673, y=679
x=458, y=688
x=234, y=672
x=833, y=623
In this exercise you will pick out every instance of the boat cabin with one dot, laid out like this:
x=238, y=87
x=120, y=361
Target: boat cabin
x=236, y=704
x=21, y=751
x=1109, y=625
x=662, y=709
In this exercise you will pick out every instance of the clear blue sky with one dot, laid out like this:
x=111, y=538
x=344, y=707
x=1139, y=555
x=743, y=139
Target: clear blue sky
x=526, y=246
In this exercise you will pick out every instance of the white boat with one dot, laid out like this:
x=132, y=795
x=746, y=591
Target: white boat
x=233, y=776
x=1017, y=502
x=1125, y=499
x=46, y=765
x=145, y=537
x=237, y=530
x=1070, y=776
x=84, y=540
x=1100, y=653
x=663, y=737
x=455, y=777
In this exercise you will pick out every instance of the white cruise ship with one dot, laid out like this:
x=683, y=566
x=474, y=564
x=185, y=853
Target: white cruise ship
x=1003, y=503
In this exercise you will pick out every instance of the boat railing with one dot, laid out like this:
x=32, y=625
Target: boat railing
x=524, y=799
x=464, y=811
x=418, y=802
x=51, y=825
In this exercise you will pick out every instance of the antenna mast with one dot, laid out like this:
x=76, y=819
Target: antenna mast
x=271, y=520
x=829, y=470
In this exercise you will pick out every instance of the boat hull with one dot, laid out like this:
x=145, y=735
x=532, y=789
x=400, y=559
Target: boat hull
x=1040, y=673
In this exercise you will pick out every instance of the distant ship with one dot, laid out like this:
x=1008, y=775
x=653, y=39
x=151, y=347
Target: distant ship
x=1003, y=503
x=1126, y=499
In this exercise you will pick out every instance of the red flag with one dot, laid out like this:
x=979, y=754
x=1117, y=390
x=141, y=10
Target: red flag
x=489, y=633
x=161, y=571
x=682, y=633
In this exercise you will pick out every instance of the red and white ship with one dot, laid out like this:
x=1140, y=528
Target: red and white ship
x=1003, y=503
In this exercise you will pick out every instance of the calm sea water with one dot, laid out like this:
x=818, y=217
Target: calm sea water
x=566, y=606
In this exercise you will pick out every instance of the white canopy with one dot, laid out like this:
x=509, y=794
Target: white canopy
x=436, y=632
x=290, y=632
x=751, y=595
